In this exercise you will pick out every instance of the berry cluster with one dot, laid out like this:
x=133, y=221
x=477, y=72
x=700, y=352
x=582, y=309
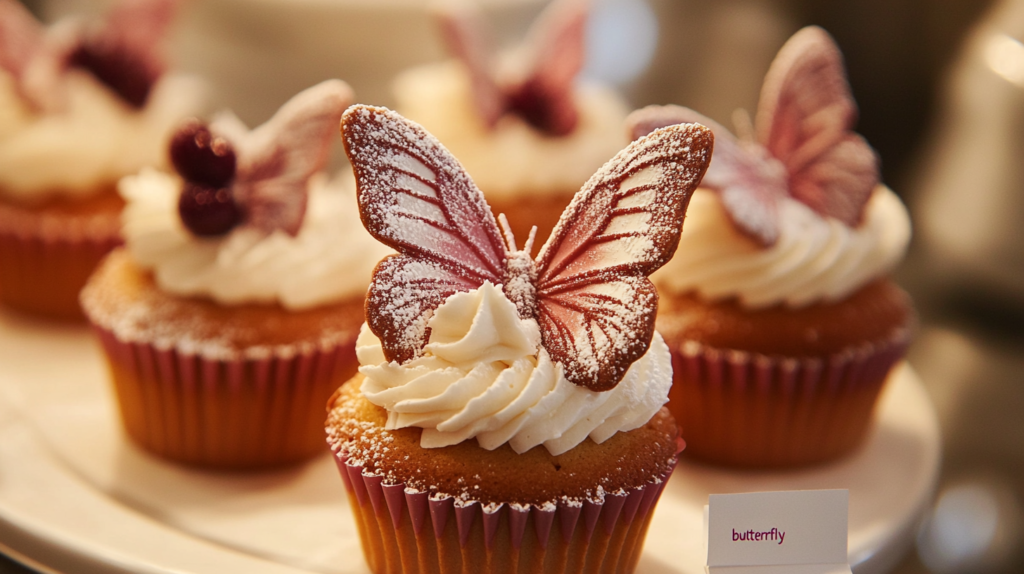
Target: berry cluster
x=207, y=163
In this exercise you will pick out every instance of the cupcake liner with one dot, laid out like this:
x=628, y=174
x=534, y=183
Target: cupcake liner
x=45, y=261
x=233, y=413
x=750, y=410
x=406, y=530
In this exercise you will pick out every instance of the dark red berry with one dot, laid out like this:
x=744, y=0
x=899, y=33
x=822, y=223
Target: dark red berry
x=129, y=75
x=202, y=157
x=208, y=211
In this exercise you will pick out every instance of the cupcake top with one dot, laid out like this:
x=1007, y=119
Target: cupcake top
x=84, y=103
x=248, y=217
x=517, y=121
x=792, y=212
x=468, y=336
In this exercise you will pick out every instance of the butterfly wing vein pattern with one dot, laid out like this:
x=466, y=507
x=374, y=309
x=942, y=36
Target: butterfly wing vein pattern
x=415, y=197
x=593, y=301
x=805, y=118
x=802, y=146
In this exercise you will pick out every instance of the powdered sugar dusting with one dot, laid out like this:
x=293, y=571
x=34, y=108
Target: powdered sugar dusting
x=415, y=197
x=597, y=305
x=360, y=441
x=521, y=283
x=403, y=295
x=749, y=181
x=444, y=224
x=588, y=289
x=418, y=169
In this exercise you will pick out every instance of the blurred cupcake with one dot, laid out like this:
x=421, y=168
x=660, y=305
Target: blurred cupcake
x=231, y=314
x=526, y=131
x=777, y=308
x=515, y=402
x=81, y=105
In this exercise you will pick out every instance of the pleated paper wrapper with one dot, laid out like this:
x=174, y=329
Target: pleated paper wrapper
x=747, y=410
x=233, y=413
x=406, y=530
x=45, y=261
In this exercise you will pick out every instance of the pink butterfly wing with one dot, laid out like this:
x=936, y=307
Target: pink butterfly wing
x=840, y=181
x=747, y=179
x=556, y=43
x=404, y=293
x=415, y=197
x=278, y=158
x=20, y=37
x=595, y=303
x=805, y=119
x=141, y=24
x=463, y=32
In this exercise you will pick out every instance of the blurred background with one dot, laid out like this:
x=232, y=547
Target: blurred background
x=940, y=84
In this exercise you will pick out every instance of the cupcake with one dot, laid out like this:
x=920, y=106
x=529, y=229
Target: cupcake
x=81, y=105
x=526, y=131
x=230, y=316
x=777, y=309
x=508, y=413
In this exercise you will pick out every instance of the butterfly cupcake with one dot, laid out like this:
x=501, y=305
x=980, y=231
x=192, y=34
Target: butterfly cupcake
x=81, y=105
x=526, y=131
x=508, y=412
x=777, y=308
x=230, y=315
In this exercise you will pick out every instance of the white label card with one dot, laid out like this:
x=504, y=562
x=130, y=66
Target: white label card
x=765, y=532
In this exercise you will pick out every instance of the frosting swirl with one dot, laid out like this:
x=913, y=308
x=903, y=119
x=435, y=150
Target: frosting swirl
x=94, y=140
x=484, y=374
x=815, y=258
x=513, y=158
x=330, y=259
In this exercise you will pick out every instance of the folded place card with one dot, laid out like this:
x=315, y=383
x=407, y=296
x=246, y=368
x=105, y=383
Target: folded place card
x=794, y=532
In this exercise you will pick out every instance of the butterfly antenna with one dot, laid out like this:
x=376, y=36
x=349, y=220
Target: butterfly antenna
x=528, y=248
x=743, y=125
x=509, y=238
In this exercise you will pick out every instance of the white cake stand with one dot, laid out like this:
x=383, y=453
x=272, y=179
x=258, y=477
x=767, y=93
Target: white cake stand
x=75, y=496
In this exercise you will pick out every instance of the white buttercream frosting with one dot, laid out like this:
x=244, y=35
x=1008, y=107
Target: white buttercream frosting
x=484, y=374
x=815, y=259
x=91, y=141
x=513, y=158
x=330, y=259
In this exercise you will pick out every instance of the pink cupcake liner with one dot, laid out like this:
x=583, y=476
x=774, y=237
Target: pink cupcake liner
x=237, y=412
x=407, y=530
x=747, y=409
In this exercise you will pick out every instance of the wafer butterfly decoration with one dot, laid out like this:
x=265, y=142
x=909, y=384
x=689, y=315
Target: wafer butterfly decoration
x=540, y=90
x=805, y=146
x=119, y=50
x=588, y=287
x=233, y=176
